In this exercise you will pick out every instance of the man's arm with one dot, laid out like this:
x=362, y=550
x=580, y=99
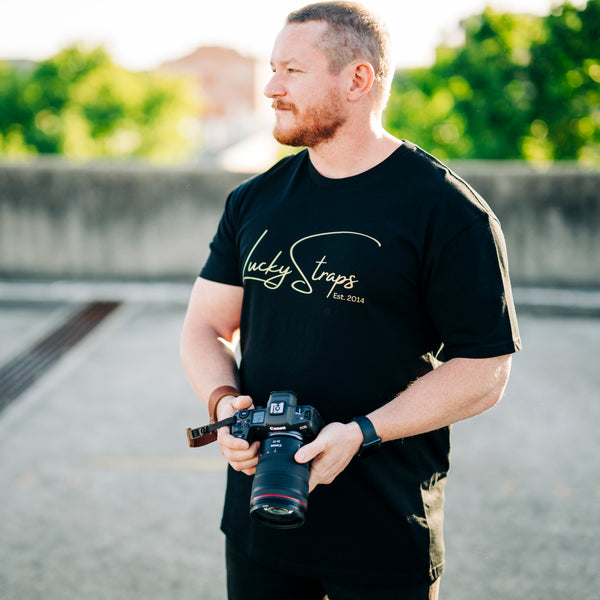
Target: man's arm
x=457, y=390
x=209, y=329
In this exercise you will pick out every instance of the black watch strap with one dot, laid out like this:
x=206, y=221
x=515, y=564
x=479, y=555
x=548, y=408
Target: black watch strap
x=371, y=440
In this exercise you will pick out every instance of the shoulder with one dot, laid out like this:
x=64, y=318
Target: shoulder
x=439, y=187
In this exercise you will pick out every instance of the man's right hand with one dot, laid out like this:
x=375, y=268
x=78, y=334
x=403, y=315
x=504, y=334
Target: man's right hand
x=239, y=453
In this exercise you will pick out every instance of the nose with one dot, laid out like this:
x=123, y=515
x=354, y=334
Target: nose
x=274, y=88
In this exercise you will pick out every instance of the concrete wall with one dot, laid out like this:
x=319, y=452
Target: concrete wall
x=551, y=220
x=107, y=220
x=133, y=221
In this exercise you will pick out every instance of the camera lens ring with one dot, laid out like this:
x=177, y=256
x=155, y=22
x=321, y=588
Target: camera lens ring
x=279, y=494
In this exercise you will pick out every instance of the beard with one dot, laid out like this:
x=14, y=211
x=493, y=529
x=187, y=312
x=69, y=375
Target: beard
x=312, y=126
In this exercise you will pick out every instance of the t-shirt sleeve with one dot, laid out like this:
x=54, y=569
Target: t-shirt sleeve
x=222, y=264
x=468, y=293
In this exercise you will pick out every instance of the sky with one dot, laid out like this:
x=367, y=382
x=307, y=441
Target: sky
x=141, y=34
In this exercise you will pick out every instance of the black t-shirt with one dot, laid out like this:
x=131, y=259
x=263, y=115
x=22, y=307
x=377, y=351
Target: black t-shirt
x=354, y=288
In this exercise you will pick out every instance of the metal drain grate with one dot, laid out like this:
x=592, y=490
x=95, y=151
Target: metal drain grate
x=24, y=370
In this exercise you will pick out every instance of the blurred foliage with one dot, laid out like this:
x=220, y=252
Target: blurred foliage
x=519, y=87
x=82, y=105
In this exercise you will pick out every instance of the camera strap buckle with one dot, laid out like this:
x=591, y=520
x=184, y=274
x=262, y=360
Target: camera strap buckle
x=201, y=436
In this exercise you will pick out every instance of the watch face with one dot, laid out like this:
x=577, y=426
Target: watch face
x=369, y=448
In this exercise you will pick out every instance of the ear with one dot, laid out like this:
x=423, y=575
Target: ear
x=362, y=80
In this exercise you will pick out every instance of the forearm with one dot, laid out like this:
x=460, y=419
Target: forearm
x=208, y=361
x=210, y=327
x=457, y=390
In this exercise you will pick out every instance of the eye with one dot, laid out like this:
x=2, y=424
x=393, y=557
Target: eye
x=288, y=70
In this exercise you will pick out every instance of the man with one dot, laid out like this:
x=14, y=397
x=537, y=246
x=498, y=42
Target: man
x=352, y=269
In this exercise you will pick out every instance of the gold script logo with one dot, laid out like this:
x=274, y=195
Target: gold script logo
x=272, y=273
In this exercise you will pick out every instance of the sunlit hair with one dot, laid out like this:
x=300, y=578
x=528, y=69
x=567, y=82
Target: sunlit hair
x=353, y=33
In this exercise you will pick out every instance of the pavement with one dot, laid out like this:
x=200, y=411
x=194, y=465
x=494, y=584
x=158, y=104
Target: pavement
x=101, y=498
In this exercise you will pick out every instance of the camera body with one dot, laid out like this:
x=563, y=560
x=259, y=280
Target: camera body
x=282, y=415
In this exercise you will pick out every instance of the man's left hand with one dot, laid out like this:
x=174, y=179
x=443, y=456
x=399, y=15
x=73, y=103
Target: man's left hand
x=331, y=452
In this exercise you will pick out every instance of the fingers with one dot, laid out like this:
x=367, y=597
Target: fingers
x=330, y=452
x=239, y=453
x=226, y=440
x=314, y=452
x=310, y=451
x=244, y=460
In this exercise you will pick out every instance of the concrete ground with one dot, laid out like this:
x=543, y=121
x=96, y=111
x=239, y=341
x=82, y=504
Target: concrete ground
x=100, y=497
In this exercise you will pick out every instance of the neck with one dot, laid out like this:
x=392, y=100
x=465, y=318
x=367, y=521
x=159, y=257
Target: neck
x=353, y=150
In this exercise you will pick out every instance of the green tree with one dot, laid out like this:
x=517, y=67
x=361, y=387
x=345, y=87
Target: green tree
x=518, y=87
x=80, y=104
x=565, y=71
x=14, y=115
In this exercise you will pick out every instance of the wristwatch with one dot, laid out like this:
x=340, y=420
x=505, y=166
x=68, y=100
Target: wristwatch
x=371, y=440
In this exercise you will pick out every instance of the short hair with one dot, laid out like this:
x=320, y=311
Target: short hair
x=353, y=32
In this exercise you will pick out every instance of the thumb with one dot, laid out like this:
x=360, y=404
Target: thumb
x=309, y=452
x=242, y=402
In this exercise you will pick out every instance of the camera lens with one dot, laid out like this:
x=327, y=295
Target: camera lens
x=280, y=489
x=278, y=512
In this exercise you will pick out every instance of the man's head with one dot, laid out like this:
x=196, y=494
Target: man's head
x=352, y=33
x=330, y=66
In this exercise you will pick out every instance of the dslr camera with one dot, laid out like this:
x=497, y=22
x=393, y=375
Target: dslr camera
x=279, y=495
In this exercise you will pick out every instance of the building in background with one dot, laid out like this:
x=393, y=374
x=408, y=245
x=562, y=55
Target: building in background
x=236, y=121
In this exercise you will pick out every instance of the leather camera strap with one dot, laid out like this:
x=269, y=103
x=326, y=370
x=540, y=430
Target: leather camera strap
x=216, y=397
x=201, y=436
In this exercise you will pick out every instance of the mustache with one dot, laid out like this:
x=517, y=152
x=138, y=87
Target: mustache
x=280, y=105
